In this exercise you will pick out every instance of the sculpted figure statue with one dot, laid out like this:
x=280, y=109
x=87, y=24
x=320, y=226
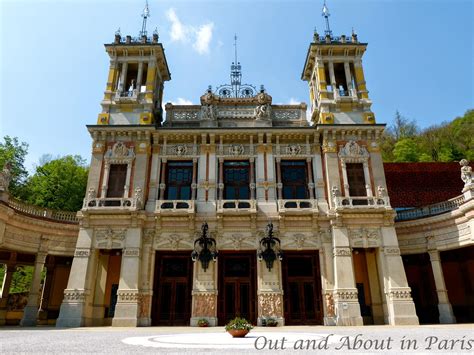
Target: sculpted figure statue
x=208, y=112
x=5, y=177
x=262, y=111
x=466, y=172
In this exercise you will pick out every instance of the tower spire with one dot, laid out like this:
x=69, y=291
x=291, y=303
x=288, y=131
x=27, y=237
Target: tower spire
x=235, y=71
x=326, y=15
x=145, y=15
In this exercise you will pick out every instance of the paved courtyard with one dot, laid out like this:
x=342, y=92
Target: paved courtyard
x=282, y=340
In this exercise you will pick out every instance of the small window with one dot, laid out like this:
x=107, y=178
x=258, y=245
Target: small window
x=294, y=179
x=179, y=180
x=236, y=180
x=117, y=180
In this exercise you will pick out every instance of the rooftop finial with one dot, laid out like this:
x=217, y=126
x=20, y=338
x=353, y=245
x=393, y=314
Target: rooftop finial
x=326, y=15
x=235, y=47
x=145, y=15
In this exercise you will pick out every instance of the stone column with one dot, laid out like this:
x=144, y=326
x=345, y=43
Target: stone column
x=48, y=285
x=368, y=183
x=400, y=306
x=331, y=166
x=126, y=310
x=126, y=192
x=221, y=179
x=346, y=303
x=142, y=159
x=7, y=280
x=270, y=293
x=204, y=294
x=105, y=180
x=163, y=179
x=139, y=77
x=123, y=77
x=318, y=174
x=345, y=180
x=327, y=277
x=446, y=315
x=252, y=178
x=279, y=184
x=347, y=72
x=310, y=178
x=30, y=312
x=154, y=178
x=75, y=309
x=333, y=78
x=146, y=281
x=194, y=179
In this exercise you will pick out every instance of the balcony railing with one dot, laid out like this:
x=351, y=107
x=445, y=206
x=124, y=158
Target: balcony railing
x=430, y=210
x=125, y=203
x=232, y=206
x=361, y=202
x=35, y=211
x=298, y=206
x=174, y=206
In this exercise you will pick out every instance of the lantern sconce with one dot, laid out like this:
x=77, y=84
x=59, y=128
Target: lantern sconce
x=204, y=248
x=269, y=249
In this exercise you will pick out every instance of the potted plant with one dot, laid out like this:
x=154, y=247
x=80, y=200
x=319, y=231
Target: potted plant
x=238, y=327
x=271, y=322
x=203, y=322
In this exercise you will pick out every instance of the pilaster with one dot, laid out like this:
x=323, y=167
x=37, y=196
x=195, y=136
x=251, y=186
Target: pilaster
x=75, y=310
x=400, y=306
x=270, y=293
x=204, y=294
x=346, y=304
x=127, y=308
x=446, y=315
x=30, y=312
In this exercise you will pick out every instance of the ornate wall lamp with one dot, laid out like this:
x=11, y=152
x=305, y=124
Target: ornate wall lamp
x=269, y=248
x=204, y=248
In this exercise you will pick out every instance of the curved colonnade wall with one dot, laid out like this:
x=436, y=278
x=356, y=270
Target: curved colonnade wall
x=437, y=253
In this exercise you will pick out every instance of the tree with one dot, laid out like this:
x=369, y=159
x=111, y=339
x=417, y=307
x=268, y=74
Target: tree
x=59, y=184
x=406, y=150
x=403, y=127
x=14, y=152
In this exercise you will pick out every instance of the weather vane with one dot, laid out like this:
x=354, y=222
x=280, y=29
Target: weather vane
x=145, y=15
x=326, y=15
x=236, y=89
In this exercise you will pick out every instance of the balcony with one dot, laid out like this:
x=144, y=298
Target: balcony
x=236, y=206
x=112, y=203
x=361, y=202
x=305, y=206
x=430, y=210
x=174, y=207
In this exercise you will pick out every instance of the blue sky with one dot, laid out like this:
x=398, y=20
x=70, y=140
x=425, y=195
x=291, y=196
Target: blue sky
x=53, y=67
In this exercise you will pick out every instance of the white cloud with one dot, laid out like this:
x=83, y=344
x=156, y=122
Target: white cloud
x=294, y=101
x=181, y=101
x=201, y=36
x=178, y=30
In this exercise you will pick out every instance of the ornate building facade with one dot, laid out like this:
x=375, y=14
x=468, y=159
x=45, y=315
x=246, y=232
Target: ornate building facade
x=237, y=206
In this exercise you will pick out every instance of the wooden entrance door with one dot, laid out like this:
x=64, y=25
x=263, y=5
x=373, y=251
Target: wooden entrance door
x=172, y=289
x=302, y=286
x=237, y=285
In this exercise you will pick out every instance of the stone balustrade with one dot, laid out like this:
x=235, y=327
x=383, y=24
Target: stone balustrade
x=361, y=202
x=430, y=210
x=125, y=203
x=298, y=206
x=36, y=211
x=174, y=207
x=236, y=206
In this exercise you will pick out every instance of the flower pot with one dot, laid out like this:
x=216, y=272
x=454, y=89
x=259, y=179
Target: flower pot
x=238, y=333
x=203, y=325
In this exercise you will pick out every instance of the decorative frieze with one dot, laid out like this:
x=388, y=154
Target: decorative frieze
x=342, y=251
x=82, y=252
x=109, y=238
x=271, y=305
x=346, y=295
x=399, y=294
x=127, y=296
x=391, y=251
x=131, y=252
x=365, y=237
x=74, y=296
x=204, y=305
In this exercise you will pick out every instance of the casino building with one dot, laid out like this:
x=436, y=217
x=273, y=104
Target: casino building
x=242, y=207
